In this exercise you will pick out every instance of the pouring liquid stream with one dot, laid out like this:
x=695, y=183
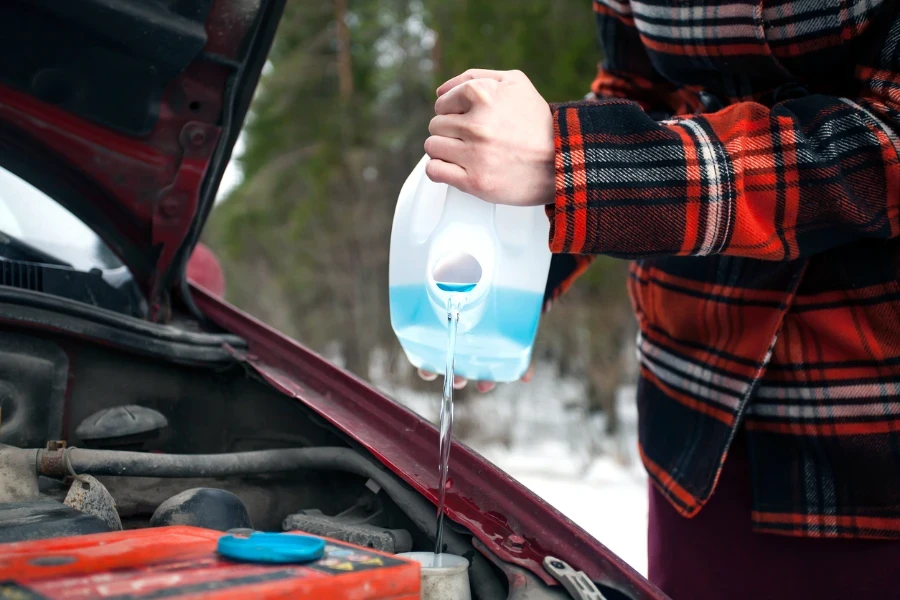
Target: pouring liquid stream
x=446, y=422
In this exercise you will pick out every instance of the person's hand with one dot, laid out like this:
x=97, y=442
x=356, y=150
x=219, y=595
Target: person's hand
x=482, y=386
x=493, y=138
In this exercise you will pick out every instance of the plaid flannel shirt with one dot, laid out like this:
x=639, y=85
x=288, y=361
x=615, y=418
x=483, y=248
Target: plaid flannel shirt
x=745, y=153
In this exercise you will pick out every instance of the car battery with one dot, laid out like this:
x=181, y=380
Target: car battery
x=182, y=562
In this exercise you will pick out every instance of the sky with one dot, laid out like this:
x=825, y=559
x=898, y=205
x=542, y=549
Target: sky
x=232, y=176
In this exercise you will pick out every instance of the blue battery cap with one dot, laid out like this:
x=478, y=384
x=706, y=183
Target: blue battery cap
x=272, y=547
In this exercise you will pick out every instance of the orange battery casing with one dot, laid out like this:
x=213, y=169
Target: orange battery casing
x=182, y=562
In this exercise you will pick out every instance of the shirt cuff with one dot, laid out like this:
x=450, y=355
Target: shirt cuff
x=569, y=227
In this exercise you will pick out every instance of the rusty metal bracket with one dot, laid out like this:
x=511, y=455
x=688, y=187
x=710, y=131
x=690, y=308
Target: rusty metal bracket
x=51, y=462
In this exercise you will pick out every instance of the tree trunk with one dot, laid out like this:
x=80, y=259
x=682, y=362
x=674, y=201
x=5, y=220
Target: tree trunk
x=345, y=66
x=356, y=359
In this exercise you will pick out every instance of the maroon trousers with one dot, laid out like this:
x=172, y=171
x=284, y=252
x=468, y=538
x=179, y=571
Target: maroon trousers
x=716, y=556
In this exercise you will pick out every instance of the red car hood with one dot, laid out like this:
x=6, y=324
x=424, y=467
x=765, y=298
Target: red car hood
x=126, y=112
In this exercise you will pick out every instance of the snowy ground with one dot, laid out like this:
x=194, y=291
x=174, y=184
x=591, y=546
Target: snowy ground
x=540, y=434
x=609, y=502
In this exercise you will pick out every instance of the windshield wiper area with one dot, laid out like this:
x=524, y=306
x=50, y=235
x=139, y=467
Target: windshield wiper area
x=15, y=249
x=24, y=267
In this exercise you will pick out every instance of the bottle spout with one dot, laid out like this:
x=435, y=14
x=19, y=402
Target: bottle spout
x=457, y=272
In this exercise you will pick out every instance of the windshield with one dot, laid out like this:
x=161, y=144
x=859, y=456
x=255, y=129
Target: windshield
x=30, y=216
x=45, y=248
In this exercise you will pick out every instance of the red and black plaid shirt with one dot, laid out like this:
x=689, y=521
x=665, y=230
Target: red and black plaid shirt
x=746, y=154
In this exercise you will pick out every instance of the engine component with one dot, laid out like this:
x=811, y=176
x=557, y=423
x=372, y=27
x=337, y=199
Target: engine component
x=444, y=576
x=203, y=507
x=267, y=501
x=112, y=289
x=18, y=481
x=523, y=584
x=121, y=427
x=344, y=529
x=90, y=496
x=40, y=519
x=576, y=583
x=228, y=464
x=54, y=489
x=33, y=376
x=137, y=464
x=182, y=562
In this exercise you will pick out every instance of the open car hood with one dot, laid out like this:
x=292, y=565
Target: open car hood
x=126, y=112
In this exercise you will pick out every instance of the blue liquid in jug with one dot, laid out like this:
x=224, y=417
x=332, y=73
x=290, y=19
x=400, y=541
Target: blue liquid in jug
x=498, y=348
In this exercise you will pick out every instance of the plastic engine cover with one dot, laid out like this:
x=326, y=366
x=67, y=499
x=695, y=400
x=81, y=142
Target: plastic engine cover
x=182, y=562
x=39, y=519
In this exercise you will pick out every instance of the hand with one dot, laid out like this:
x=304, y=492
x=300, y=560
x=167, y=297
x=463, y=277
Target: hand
x=482, y=386
x=493, y=138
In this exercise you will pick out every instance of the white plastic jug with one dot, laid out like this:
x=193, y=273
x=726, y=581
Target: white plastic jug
x=494, y=259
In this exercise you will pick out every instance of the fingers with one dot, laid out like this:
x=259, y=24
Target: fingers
x=426, y=375
x=468, y=76
x=451, y=126
x=440, y=171
x=529, y=374
x=458, y=382
x=485, y=386
x=455, y=102
x=482, y=386
x=444, y=166
x=465, y=96
x=446, y=149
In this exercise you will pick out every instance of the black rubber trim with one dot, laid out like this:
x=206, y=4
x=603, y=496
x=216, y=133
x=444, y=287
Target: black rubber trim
x=33, y=310
x=239, y=94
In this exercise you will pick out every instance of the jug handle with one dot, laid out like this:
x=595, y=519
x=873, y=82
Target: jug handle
x=465, y=208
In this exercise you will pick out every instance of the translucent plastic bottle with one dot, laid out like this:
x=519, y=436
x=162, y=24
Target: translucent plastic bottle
x=491, y=260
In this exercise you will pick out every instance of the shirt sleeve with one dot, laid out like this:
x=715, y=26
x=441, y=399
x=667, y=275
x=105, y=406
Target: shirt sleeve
x=778, y=183
x=625, y=73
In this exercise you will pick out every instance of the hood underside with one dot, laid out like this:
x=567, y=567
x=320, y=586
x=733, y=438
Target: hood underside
x=126, y=112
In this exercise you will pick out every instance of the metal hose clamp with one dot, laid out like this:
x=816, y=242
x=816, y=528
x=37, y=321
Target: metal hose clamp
x=67, y=463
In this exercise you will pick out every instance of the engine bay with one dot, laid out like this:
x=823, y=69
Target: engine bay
x=93, y=439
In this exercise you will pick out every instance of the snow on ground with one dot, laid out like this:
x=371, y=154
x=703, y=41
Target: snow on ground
x=609, y=501
x=605, y=494
x=540, y=434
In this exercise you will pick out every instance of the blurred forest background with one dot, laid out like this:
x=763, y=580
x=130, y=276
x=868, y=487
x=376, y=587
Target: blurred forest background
x=338, y=123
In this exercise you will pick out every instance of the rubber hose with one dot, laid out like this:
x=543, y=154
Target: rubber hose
x=257, y=462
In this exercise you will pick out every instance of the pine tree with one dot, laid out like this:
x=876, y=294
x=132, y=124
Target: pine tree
x=338, y=123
